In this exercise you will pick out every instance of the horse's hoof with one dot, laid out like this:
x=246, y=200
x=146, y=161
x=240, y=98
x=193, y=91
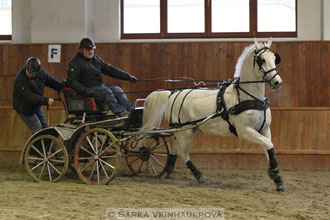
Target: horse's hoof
x=202, y=179
x=280, y=188
x=169, y=176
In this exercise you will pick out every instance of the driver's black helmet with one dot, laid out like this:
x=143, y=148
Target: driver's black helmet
x=33, y=65
x=87, y=43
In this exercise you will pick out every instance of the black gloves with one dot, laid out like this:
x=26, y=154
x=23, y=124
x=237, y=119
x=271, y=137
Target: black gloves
x=90, y=93
x=132, y=79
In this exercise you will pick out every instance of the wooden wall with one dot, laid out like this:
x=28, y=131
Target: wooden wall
x=300, y=109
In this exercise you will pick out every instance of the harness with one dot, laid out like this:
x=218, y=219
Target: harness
x=254, y=104
x=242, y=106
x=179, y=123
x=260, y=61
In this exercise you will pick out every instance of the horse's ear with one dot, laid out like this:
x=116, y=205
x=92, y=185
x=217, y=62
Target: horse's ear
x=256, y=44
x=269, y=42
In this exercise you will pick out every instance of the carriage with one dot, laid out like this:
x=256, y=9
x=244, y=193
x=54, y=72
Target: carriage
x=93, y=142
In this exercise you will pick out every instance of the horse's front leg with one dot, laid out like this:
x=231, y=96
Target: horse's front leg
x=265, y=141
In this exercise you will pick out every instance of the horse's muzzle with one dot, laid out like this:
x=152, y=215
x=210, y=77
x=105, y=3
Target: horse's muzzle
x=275, y=84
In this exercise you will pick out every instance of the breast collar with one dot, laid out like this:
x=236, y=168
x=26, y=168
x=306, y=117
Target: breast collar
x=254, y=104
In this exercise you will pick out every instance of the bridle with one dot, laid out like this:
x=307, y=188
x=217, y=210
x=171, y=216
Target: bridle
x=260, y=61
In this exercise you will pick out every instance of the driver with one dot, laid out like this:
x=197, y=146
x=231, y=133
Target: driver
x=84, y=76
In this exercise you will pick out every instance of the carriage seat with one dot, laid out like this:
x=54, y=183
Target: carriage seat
x=78, y=104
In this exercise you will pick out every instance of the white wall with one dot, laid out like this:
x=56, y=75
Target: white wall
x=103, y=20
x=57, y=21
x=309, y=19
x=326, y=19
x=21, y=21
x=67, y=21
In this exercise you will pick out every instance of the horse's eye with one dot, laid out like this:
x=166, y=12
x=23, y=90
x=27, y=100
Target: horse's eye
x=260, y=61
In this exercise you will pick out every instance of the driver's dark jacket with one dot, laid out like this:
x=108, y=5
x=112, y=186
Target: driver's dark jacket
x=84, y=73
x=28, y=93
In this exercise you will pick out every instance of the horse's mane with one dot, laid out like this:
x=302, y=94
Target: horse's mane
x=241, y=59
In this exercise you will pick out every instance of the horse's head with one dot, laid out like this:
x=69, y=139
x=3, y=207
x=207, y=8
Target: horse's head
x=265, y=61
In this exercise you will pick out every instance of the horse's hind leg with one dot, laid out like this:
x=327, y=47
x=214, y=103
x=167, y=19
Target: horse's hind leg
x=171, y=161
x=182, y=145
x=170, y=165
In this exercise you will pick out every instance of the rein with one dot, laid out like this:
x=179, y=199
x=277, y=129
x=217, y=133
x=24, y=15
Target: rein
x=223, y=82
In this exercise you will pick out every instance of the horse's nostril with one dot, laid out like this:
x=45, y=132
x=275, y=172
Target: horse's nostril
x=277, y=83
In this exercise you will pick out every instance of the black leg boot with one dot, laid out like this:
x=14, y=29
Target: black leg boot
x=198, y=175
x=273, y=171
x=170, y=165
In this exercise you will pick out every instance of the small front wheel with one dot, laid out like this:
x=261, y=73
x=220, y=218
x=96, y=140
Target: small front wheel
x=97, y=156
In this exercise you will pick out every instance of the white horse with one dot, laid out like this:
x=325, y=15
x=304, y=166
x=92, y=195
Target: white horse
x=243, y=109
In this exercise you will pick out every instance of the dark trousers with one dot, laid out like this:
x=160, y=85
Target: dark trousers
x=114, y=97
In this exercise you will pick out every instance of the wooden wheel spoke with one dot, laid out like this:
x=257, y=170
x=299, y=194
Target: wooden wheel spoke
x=153, y=168
x=91, y=174
x=157, y=161
x=133, y=161
x=151, y=143
x=98, y=171
x=81, y=147
x=59, y=150
x=58, y=161
x=113, y=155
x=42, y=170
x=87, y=165
x=140, y=167
x=49, y=173
x=109, y=165
x=43, y=147
x=110, y=146
x=34, y=148
x=103, y=144
x=50, y=147
x=156, y=147
x=104, y=170
x=147, y=168
x=90, y=144
x=35, y=158
x=54, y=168
x=33, y=168
x=85, y=158
x=132, y=154
x=159, y=154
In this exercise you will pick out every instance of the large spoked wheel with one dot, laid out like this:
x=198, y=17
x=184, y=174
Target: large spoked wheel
x=46, y=158
x=147, y=156
x=97, y=156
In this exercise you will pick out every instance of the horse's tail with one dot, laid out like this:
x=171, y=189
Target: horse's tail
x=154, y=109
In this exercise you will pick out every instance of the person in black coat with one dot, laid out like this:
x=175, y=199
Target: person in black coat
x=28, y=94
x=84, y=76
